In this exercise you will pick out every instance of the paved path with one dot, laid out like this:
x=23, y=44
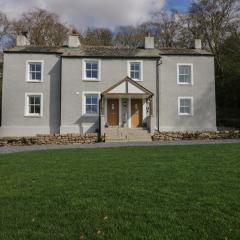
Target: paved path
x=13, y=149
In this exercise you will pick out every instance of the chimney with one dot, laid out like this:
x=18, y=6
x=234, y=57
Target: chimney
x=198, y=44
x=22, y=41
x=73, y=41
x=149, y=42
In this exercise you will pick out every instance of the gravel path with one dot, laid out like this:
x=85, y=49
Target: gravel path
x=13, y=149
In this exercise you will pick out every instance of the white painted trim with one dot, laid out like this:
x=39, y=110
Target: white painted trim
x=106, y=110
x=192, y=106
x=84, y=77
x=26, y=113
x=83, y=103
x=129, y=113
x=144, y=108
x=185, y=64
x=129, y=69
x=120, y=112
x=28, y=62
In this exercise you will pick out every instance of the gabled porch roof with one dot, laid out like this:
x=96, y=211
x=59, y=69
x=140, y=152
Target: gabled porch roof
x=127, y=87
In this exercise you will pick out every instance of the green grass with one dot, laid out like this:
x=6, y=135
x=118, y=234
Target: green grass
x=172, y=192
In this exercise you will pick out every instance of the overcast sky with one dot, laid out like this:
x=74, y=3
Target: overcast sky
x=94, y=13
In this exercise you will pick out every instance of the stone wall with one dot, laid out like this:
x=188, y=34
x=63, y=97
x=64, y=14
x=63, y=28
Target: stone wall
x=173, y=136
x=50, y=139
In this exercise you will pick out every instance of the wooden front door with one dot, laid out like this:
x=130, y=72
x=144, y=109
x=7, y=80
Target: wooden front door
x=136, y=115
x=113, y=112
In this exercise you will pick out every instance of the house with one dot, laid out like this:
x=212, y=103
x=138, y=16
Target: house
x=79, y=89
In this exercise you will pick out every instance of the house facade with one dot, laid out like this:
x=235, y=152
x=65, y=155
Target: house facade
x=80, y=89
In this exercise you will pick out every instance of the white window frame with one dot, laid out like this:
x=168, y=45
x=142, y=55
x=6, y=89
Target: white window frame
x=129, y=69
x=84, y=101
x=28, y=62
x=84, y=77
x=178, y=72
x=192, y=106
x=26, y=108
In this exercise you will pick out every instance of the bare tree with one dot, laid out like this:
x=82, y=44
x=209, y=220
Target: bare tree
x=4, y=25
x=97, y=37
x=166, y=27
x=214, y=21
x=130, y=36
x=44, y=28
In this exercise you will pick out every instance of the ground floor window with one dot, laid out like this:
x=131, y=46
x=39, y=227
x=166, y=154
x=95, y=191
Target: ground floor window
x=185, y=106
x=33, y=104
x=91, y=103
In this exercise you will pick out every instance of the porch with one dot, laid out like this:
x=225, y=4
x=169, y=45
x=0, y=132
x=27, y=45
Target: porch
x=126, y=105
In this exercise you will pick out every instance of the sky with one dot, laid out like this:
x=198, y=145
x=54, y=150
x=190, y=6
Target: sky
x=95, y=13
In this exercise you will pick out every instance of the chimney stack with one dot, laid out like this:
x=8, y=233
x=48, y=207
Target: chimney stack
x=22, y=40
x=198, y=44
x=73, y=41
x=149, y=42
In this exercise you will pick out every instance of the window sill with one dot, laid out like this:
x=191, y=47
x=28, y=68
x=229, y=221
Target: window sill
x=185, y=115
x=91, y=115
x=34, y=81
x=137, y=80
x=91, y=80
x=185, y=84
x=33, y=116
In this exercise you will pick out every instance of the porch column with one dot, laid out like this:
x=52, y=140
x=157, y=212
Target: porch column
x=129, y=113
x=102, y=117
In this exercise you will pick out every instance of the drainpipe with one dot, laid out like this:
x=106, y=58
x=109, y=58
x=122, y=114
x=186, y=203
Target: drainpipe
x=158, y=63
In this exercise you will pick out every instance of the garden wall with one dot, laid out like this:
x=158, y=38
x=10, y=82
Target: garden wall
x=173, y=136
x=50, y=139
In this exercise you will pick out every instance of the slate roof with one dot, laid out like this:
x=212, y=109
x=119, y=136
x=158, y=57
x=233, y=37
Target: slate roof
x=109, y=52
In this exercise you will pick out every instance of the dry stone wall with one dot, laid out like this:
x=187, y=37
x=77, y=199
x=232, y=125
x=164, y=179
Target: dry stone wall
x=174, y=136
x=50, y=139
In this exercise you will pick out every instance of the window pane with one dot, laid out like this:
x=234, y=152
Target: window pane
x=94, y=108
x=88, y=66
x=38, y=76
x=88, y=100
x=89, y=74
x=37, y=109
x=137, y=66
x=31, y=100
x=38, y=67
x=95, y=66
x=137, y=75
x=132, y=75
x=94, y=74
x=37, y=100
x=32, y=67
x=31, y=109
x=88, y=109
x=94, y=100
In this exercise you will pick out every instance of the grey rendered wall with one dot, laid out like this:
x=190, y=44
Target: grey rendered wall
x=14, y=123
x=202, y=90
x=73, y=86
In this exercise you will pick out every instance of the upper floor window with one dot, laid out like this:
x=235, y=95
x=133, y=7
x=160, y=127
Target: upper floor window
x=185, y=74
x=90, y=103
x=91, y=70
x=135, y=70
x=33, y=104
x=185, y=106
x=35, y=71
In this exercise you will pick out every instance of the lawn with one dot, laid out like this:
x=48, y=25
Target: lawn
x=171, y=192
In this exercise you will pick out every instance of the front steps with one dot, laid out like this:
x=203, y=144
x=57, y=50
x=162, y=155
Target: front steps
x=127, y=135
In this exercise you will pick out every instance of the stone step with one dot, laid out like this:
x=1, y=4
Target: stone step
x=125, y=134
